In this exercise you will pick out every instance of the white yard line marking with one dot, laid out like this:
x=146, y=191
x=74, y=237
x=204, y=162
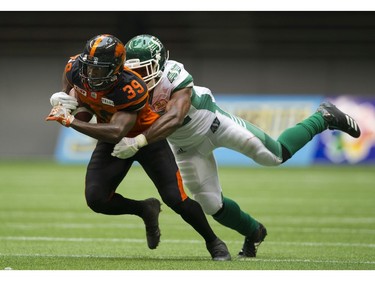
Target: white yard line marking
x=169, y=257
x=127, y=240
x=356, y=230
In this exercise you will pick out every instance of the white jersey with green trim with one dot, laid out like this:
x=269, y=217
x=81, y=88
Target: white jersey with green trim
x=202, y=110
x=207, y=127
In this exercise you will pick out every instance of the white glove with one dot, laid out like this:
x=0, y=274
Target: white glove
x=61, y=98
x=127, y=147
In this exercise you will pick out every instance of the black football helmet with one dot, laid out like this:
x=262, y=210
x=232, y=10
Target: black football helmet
x=101, y=62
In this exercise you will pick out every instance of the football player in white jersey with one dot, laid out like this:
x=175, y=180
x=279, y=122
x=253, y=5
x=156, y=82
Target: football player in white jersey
x=195, y=125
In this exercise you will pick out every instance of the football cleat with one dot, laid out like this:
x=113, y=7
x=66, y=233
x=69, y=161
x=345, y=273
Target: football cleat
x=252, y=242
x=337, y=120
x=150, y=216
x=218, y=250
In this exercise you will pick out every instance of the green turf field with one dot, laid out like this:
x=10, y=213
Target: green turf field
x=318, y=218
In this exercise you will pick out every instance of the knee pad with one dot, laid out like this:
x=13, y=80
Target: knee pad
x=262, y=155
x=211, y=203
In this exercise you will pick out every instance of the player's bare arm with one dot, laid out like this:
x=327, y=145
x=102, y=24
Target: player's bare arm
x=121, y=123
x=112, y=132
x=176, y=111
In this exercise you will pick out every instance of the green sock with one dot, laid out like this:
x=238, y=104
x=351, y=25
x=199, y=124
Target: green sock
x=294, y=138
x=230, y=215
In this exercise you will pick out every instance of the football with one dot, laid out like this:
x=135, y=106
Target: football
x=81, y=113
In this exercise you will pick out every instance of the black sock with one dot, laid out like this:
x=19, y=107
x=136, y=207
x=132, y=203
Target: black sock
x=192, y=213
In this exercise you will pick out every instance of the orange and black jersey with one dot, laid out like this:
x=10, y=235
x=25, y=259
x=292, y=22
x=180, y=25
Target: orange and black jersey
x=129, y=94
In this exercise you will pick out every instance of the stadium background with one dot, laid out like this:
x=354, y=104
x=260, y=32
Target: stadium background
x=319, y=218
x=253, y=54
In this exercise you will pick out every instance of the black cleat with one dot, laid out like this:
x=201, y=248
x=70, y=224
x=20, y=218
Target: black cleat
x=338, y=120
x=218, y=250
x=250, y=246
x=150, y=216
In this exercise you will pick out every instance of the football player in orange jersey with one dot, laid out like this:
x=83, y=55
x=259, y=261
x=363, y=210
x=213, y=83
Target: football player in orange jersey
x=118, y=97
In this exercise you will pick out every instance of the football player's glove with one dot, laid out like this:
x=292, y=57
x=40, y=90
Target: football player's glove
x=67, y=101
x=60, y=114
x=127, y=147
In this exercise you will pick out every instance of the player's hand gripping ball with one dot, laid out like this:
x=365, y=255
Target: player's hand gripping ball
x=68, y=101
x=61, y=115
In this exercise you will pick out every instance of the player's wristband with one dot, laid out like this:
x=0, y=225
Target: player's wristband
x=67, y=121
x=141, y=140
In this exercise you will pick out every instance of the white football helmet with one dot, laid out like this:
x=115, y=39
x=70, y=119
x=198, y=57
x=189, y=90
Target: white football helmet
x=146, y=55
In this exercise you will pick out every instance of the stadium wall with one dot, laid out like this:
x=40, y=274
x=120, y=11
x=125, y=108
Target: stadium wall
x=249, y=53
x=273, y=114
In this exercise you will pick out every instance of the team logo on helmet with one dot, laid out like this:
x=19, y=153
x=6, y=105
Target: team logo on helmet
x=147, y=56
x=101, y=62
